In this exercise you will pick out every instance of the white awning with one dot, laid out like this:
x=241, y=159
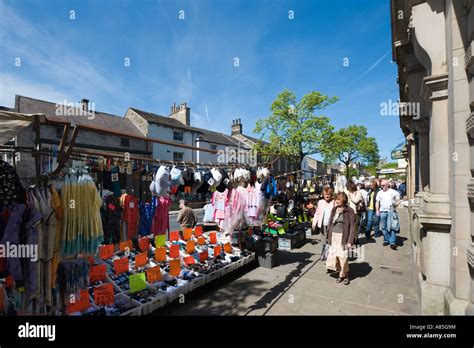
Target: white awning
x=12, y=123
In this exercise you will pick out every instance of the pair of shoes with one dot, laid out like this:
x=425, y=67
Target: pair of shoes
x=393, y=246
x=339, y=280
x=385, y=243
x=346, y=281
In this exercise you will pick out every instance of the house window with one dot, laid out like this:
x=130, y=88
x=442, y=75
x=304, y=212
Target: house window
x=213, y=146
x=178, y=156
x=59, y=132
x=178, y=136
x=125, y=142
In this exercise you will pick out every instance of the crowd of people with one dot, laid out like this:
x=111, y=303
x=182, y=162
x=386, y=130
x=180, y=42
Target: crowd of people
x=347, y=211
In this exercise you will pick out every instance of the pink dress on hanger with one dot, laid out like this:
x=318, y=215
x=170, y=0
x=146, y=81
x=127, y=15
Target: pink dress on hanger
x=160, y=223
x=219, y=202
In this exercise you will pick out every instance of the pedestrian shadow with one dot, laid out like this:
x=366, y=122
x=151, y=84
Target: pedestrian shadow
x=359, y=270
x=278, y=290
x=400, y=241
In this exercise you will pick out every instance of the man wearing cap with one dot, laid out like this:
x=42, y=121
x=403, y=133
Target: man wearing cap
x=387, y=200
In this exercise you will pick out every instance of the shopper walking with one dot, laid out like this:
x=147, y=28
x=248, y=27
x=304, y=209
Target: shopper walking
x=387, y=201
x=322, y=214
x=341, y=231
x=357, y=205
x=186, y=217
x=372, y=218
x=363, y=216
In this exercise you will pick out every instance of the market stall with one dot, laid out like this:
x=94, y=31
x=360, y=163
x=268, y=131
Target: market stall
x=99, y=223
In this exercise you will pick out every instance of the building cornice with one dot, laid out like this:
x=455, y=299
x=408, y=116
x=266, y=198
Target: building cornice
x=435, y=87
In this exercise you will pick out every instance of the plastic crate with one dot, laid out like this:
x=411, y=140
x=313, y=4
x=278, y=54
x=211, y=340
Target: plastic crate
x=197, y=282
x=226, y=270
x=159, y=301
x=213, y=276
x=138, y=310
x=268, y=260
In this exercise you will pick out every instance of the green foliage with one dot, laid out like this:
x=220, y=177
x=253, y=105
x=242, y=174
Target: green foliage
x=293, y=130
x=390, y=165
x=350, y=145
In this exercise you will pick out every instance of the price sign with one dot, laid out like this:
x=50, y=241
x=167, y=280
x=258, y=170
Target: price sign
x=201, y=241
x=213, y=237
x=187, y=233
x=203, y=256
x=174, y=251
x=106, y=251
x=137, y=282
x=198, y=231
x=160, y=240
x=190, y=245
x=174, y=235
x=121, y=265
x=153, y=275
x=104, y=294
x=175, y=267
x=97, y=273
x=189, y=260
x=141, y=259
x=217, y=251
x=126, y=245
x=144, y=244
x=228, y=248
x=160, y=254
x=78, y=303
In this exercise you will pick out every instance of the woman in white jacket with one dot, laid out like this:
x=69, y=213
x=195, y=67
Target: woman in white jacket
x=323, y=210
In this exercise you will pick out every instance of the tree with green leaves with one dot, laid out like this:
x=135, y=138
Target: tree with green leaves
x=293, y=130
x=351, y=145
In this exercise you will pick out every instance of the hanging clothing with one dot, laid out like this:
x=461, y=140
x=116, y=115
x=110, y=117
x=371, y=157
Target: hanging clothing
x=11, y=190
x=208, y=213
x=130, y=214
x=59, y=213
x=82, y=227
x=111, y=213
x=219, y=201
x=147, y=211
x=21, y=229
x=160, y=222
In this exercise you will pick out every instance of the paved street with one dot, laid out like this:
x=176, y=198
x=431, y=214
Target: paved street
x=384, y=283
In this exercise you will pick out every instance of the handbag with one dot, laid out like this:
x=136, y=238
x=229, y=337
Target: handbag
x=394, y=221
x=360, y=207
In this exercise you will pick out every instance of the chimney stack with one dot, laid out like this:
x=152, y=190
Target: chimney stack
x=85, y=104
x=236, y=127
x=182, y=113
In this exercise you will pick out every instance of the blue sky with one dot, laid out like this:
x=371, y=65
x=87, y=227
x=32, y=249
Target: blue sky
x=192, y=59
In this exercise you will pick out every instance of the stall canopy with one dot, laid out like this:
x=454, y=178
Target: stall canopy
x=12, y=123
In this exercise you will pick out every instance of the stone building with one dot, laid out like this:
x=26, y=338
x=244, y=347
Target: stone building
x=432, y=46
x=51, y=134
x=177, y=128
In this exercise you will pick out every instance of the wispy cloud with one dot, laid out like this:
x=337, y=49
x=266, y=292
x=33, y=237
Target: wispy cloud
x=57, y=64
x=372, y=67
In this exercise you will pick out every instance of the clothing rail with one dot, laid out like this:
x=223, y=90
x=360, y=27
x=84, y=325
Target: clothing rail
x=79, y=154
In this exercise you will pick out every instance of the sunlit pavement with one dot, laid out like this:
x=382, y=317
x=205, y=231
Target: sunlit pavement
x=384, y=282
